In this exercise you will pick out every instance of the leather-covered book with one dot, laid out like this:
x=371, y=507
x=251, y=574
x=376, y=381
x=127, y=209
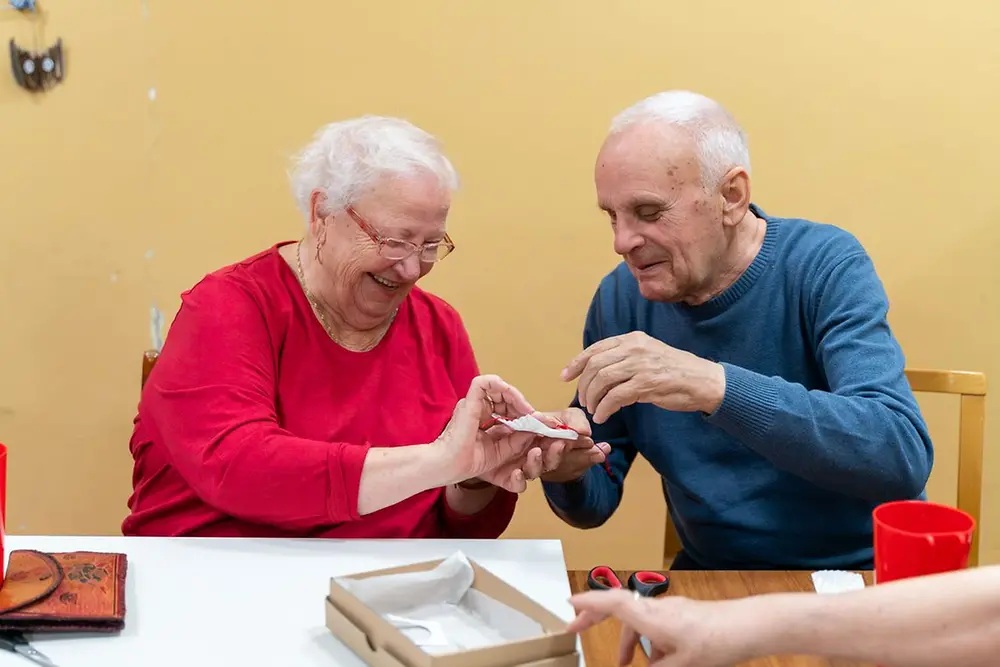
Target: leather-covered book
x=77, y=591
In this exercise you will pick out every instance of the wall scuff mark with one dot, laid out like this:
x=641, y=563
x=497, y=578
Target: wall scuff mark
x=155, y=328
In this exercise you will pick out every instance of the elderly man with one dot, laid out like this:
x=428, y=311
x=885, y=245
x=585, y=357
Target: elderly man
x=747, y=357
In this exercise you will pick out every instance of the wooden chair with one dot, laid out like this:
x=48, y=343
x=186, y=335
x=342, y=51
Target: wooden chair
x=971, y=387
x=149, y=358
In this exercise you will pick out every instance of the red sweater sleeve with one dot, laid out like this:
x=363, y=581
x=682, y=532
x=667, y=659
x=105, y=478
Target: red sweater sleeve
x=212, y=403
x=492, y=520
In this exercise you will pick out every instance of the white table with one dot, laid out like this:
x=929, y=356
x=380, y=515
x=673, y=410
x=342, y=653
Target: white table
x=228, y=602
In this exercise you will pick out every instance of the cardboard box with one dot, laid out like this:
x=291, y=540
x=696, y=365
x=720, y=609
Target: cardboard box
x=380, y=644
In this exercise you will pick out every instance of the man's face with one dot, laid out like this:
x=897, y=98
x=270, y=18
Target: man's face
x=667, y=227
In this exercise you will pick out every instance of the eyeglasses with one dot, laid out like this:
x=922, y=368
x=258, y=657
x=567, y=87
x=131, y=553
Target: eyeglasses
x=398, y=249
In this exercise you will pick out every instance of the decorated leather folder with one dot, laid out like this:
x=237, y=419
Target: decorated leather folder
x=63, y=592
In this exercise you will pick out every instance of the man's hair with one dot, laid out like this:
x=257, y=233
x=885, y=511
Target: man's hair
x=346, y=158
x=721, y=142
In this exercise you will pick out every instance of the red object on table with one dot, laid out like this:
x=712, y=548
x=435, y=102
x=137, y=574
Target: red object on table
x=915, y=538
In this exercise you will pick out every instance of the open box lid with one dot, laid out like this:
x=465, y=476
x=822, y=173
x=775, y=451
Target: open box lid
x=381, y=644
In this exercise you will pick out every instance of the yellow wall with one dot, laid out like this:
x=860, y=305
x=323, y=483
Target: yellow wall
x=881, y=120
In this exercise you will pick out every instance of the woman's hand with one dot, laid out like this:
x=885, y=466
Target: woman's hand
x=497, y=454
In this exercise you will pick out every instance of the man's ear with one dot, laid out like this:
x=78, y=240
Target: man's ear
x=735, y=193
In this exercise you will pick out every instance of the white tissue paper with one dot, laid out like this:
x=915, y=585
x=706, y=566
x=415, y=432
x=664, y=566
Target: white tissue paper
x=531, y=424
x=837, y=581
x=439, y=611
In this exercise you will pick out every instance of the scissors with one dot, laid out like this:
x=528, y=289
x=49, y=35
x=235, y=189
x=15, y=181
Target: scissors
x=16, y=643
x=643, y=583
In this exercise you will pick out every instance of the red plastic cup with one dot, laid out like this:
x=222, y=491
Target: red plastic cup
x=914, y=538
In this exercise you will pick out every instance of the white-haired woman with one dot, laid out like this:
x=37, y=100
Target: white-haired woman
x=306, y=390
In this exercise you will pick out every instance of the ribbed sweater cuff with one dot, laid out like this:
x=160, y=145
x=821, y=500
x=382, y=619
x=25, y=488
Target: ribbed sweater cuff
x=749, y=405
x=567, y=496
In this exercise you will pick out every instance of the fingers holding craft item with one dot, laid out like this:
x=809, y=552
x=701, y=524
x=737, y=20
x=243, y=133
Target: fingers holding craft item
x=518, y=459
x=497, y=397
x=513, y=443
x=571, y=418
x=533, y=464
x=468, y=448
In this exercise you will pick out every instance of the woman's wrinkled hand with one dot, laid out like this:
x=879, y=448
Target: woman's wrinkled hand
x=496, y=454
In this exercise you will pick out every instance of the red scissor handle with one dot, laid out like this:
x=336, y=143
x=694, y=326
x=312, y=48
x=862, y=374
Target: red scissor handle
x=644, y=582
x=602, y=578
x=649, y=584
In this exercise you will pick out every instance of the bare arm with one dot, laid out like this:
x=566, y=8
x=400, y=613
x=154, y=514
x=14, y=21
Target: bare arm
x=393, y=474
x=946, y=619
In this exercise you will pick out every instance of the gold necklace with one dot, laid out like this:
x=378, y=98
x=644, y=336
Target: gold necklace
x=318, y=310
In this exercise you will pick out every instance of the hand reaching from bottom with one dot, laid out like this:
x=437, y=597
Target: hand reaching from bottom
x=683, y=632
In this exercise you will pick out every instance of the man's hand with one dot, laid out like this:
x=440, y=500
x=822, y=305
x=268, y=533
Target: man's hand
x=567, y=460
x=683, y=632
x=636, y=368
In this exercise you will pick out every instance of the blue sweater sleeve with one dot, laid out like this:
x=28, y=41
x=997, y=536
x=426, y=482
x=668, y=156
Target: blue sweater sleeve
x=591, y=500
x=865, y=437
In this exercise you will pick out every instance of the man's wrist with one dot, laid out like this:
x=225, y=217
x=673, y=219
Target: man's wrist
x=714, y=389
x=569, y=492
x=555, y=477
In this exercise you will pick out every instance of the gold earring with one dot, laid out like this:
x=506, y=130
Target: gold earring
x=320, y=242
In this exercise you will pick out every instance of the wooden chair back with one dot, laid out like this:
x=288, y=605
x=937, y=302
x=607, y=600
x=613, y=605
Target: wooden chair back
x=971, y=387
x=149, y=358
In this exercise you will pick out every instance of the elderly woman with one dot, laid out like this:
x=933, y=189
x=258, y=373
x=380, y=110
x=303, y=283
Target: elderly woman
x=314, y=390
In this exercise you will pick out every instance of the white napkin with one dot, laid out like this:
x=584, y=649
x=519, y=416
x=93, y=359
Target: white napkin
x=440, y=611
x=531, y=424
x=837, y=581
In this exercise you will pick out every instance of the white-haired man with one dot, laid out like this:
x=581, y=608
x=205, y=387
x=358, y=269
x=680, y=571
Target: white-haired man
x=747, y=357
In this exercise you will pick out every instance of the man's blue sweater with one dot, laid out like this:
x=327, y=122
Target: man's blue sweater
x=817, y=427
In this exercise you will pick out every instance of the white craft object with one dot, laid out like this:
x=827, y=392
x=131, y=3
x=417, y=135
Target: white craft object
x=531, y=424
x=837, y=581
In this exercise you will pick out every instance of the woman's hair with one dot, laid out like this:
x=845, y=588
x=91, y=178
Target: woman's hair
x=346, y=158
